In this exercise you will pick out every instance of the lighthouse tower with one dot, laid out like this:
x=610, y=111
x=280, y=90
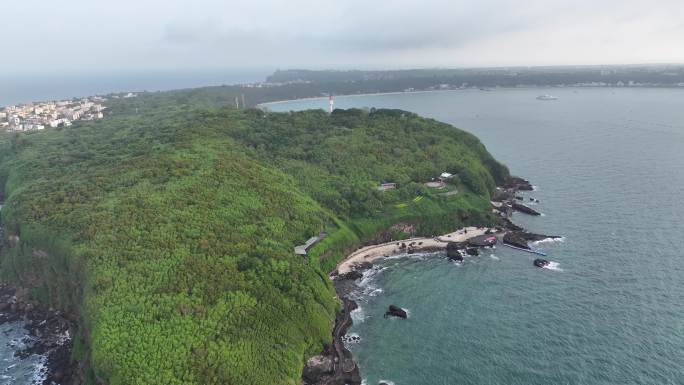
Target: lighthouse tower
x=331, y=102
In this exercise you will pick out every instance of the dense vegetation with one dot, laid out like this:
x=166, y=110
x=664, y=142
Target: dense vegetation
x=397, y=80
x=169, y=227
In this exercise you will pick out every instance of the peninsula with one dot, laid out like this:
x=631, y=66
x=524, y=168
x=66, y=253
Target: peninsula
x=165, y=233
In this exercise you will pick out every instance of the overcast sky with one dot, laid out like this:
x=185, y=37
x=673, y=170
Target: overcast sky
x=140, y=35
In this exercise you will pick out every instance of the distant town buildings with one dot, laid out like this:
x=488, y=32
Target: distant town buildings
x=37, y=116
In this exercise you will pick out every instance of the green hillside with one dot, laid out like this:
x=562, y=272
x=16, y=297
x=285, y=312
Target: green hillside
x=170, y=231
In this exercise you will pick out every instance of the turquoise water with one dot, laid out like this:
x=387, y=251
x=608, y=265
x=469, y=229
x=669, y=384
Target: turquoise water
x=609, y=167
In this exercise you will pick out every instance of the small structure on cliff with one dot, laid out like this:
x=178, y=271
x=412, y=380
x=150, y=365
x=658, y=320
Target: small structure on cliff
x=302, y=249
x=387, y=186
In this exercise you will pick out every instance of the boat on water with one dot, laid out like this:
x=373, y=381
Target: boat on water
x=547, y=97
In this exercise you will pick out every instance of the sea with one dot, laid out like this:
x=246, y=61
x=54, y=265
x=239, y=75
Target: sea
x=608, y=169
x=14, y=370
x=26, y=88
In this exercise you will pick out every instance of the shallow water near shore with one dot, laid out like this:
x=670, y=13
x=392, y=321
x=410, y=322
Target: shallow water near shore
x=14, y=370
x=609, y=167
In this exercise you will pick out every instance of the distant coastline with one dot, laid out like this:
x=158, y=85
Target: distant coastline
x=285, y=101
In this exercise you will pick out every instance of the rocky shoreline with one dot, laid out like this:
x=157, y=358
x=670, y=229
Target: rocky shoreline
x=335, y=365
x=48, y=334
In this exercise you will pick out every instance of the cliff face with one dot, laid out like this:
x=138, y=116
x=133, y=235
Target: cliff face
x=170, y=233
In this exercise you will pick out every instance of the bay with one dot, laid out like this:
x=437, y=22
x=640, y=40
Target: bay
x=609, y=167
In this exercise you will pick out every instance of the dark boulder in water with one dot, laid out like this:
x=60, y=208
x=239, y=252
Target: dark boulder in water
x=516, y=238
x=539, y=262
x=396, y=311
x=524, y=209
x=472, y=251
x=520, y=238
x=454, y=251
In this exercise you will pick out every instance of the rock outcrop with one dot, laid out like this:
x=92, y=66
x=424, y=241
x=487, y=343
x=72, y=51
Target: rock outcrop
x=516, y=238
x=454, y=251
x=342, y=370
x=521, y=238
x=317, y=367
x=48, y=330
x=472, y=251
x=396, y=311
x=516, y=183
x=352, y=275
x=524, y=209
x=539, y=262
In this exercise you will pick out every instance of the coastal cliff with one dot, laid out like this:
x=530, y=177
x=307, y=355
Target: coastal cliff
x=336, y=365
x=169, y=236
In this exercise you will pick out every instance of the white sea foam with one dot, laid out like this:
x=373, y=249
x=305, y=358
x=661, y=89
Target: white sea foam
x=388, y=382
x=358, y=315
x=549, y=240
x=366, y=283
x=351, y=339
x=494, y=257
x=553, y=266
x=419, y=256
x=40, y=371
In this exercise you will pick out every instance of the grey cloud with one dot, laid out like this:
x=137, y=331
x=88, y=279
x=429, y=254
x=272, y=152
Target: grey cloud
x=169, y=34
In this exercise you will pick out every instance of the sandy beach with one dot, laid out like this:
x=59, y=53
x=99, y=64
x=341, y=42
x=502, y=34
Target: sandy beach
x=374, y=252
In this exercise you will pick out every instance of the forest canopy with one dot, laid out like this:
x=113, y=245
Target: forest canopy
x=169, y=227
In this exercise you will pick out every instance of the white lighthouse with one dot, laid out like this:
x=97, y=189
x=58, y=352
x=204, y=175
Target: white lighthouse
x=331, y=102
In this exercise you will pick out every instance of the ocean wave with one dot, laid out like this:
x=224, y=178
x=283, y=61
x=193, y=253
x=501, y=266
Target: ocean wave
x=388, y=382
x=553, y=266
x=418, y=256
x=358, y=315
x=494, y=257
x=397, y=256
x=40, y=371
x=366, y=284
x=549, y=240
